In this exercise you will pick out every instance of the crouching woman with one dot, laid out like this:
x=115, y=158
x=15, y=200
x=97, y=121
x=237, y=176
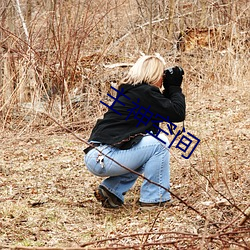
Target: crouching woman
x=129, y=134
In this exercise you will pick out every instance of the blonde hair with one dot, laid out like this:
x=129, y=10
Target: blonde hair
x=148, y=69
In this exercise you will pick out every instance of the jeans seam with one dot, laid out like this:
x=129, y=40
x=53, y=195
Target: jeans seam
x=160, y=179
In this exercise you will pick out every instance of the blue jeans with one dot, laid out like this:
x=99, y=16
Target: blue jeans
x=149, y=157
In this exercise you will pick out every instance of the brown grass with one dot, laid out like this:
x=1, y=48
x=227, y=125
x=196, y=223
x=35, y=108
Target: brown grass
x=46, y=193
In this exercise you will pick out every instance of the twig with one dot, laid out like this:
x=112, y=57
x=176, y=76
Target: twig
x=231, y=223
x=246, y=217
x=156, y=217
x=216, y=190
x=235, y=244
x=140, y=234
x=115, y=65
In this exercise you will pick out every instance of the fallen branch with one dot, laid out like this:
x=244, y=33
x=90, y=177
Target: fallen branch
x=115, y=65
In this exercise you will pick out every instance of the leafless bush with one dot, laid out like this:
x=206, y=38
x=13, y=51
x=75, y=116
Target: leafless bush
x=53, y=52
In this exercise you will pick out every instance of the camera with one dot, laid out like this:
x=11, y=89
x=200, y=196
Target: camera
x=171, y=70
x=173, y=76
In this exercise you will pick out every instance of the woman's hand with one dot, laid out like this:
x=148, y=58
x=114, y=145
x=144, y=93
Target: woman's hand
x=173, y=77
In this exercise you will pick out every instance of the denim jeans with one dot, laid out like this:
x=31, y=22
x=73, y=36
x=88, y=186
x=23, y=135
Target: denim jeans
x=149, y=157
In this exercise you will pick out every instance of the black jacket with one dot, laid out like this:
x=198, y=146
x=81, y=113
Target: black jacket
x=123, y=129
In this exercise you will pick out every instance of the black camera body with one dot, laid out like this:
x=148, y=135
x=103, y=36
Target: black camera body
x=169, y=70
x=173, y=76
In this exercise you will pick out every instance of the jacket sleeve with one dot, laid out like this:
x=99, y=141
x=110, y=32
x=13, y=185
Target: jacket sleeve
x=170, y=105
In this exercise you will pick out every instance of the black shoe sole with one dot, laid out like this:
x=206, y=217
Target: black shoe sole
x=105, y=197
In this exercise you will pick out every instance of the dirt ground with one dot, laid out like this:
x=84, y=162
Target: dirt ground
x=46, y=193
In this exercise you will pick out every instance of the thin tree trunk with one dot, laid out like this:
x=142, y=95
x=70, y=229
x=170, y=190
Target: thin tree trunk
x=20, y=13
x=150, y=9
x=27, y=91
x=6, y=77
x=28, y=14
x=203, y=22
x=171, y=19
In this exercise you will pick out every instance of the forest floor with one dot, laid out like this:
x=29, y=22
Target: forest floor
x=46, y=192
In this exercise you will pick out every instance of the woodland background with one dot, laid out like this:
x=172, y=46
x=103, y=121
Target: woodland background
x=58, y=59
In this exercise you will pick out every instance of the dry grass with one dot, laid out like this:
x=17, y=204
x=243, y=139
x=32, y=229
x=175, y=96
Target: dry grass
x=46, y=194
x=47, y=200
